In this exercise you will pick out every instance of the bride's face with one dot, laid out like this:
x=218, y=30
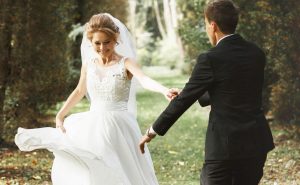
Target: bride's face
x=103, y=44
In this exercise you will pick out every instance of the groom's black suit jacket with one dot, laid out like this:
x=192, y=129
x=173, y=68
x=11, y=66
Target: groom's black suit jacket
x=232, y=73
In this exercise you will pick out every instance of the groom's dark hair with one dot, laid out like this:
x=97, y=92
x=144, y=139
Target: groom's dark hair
x=224, y=12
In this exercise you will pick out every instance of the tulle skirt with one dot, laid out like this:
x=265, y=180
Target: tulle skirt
x=97, y=148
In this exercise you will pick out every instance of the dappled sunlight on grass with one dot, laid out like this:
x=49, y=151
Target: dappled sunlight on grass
x=18, y=167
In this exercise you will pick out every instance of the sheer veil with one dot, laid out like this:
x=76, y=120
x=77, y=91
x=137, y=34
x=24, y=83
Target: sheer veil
x=126, y=48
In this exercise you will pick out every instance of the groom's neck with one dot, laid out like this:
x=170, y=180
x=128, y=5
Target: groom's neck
x=220, y=36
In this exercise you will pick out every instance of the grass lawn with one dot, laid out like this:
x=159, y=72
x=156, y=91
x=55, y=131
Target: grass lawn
x=177, y=156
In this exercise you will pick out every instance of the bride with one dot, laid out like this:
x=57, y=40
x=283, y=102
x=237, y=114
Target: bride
x=99, y=146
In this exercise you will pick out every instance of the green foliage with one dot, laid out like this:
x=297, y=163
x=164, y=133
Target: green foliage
x=118, y=8
x=271, y=24
x=158, y=53
x=285, y=94
x=149, y=42
x=37, y=69
x=257, y=25
x=192, y=31
x=156, y=44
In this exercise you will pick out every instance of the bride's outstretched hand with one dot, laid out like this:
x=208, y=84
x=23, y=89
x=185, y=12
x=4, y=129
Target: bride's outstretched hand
x=60, y=123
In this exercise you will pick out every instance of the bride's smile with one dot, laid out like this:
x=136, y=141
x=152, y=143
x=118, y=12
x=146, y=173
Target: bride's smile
x=103, y=45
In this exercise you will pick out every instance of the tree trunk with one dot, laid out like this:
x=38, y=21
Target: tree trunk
x=171, y=18
x=5, y=54
x=169, y=21
x=178, y=39
x=131, y=16
x=159, y=20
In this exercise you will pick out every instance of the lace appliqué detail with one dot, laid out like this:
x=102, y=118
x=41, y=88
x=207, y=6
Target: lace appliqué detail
x=108, y=83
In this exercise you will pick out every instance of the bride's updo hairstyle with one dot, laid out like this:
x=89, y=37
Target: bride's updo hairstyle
x=103, y=23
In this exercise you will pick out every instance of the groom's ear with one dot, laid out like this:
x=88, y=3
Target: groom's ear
x=214, y=26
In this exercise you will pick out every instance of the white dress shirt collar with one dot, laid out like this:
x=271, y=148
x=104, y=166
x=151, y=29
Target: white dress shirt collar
x=224, y=38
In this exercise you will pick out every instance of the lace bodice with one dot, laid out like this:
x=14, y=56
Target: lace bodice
x=108, y=87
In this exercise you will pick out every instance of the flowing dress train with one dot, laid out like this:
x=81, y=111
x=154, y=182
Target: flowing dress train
x=100, y=146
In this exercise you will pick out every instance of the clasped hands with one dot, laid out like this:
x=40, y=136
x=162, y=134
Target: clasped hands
x=172, y=93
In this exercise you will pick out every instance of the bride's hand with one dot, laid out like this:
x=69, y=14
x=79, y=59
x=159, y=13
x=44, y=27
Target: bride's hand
x=167, y=94
x=60, y=123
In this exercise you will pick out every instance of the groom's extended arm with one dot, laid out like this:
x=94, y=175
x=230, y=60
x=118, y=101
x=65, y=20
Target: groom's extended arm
x=199, y=82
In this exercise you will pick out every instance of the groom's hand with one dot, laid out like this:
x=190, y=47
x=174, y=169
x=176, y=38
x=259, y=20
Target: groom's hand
x=146, y=139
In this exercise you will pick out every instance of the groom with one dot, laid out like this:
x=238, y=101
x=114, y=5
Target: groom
x=238, y=136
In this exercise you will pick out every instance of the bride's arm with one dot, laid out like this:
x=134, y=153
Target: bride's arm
x=144, y=80
x=73, y=98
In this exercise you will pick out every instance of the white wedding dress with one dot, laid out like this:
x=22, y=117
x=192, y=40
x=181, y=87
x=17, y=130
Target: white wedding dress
x=100, y=147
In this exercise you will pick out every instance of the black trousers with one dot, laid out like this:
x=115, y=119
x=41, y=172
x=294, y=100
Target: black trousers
x=233, y=172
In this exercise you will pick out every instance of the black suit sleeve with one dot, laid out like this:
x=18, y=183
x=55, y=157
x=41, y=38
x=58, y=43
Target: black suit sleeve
x=200, y=80
x=204, y=100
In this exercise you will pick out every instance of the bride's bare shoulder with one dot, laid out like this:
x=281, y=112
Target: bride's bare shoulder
x=130, y=61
